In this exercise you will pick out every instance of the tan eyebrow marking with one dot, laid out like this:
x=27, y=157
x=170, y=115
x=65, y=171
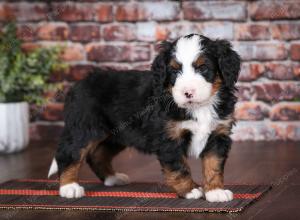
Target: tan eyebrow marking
x=175, y=65
x=200, y=61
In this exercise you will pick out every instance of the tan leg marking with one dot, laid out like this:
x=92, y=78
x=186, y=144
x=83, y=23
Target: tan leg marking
x=70, y=174
x=212, y=172
x=213, y=180
x=182, y=184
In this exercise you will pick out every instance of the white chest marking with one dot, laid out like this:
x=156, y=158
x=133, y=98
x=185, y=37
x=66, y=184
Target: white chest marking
x=205, y=122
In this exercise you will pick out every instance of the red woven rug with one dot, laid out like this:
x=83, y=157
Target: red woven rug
x=43, y=194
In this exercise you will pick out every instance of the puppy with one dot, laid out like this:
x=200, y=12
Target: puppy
x=182, y=108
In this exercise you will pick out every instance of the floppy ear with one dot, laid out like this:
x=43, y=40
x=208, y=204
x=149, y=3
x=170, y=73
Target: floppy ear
x=159, y=66
x=229, y=62
x=160, y=62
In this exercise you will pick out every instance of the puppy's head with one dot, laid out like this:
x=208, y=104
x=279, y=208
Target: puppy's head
x=194, y=67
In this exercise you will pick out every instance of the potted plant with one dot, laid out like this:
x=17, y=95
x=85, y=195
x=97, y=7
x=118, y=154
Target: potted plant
x=24, y=78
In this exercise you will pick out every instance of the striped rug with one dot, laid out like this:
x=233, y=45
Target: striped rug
x=43, y=194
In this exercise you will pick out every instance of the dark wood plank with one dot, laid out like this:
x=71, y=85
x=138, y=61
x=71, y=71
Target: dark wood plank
x=275, y=163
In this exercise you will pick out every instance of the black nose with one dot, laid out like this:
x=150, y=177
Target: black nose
x=188, y=95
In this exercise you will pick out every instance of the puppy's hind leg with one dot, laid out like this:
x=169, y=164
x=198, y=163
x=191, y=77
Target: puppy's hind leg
x=69, y=170
x=100, y=161
x=69, y=186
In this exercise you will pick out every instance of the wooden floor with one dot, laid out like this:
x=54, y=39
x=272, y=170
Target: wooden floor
x=276, y=163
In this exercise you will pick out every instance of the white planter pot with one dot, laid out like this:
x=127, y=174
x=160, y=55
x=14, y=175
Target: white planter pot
x=14, y=126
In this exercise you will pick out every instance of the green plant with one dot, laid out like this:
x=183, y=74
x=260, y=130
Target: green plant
x=25, y=76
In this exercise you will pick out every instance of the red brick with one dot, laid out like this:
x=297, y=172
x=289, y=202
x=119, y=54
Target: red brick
x=281, y=71
x=73, y=52
x=30, y=46
x=161, y=33
x=261, y=10
x=222, y=30
x=119, y=32
x=53, y=31
x=214, y=10
x=146, y=31
x=24, y=11
x=245, y=91
x=295, y=51
x=286, y=31
x=71, y=11
x=52, y=112
x=118, y=52
x=45, y=131
x=292, y=130
x=26, y=32
x=269, y=51
x=176, y=30
x=277, y=91
x=286, y=130
x=251, y=111
x=213, y=29
x=85, y=32
x=142, y=66
x=285, y=112
x=252, y=32
x=78, y=72
x=104, y=12
x=5, y=12
x=266, y=131
x=142, y=11
x=58, y=76
x=245, y=50
x=261, y=51
x=257, y=131
x=296, y=70
x=251, y=71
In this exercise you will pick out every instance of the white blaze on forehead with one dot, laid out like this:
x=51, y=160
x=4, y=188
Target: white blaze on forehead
x=187, y=50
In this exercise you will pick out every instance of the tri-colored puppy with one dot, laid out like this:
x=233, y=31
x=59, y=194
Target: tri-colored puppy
x=182, y=108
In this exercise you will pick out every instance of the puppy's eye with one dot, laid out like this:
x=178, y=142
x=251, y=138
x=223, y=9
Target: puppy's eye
x=199, y=63
x=201, y=68
x=175, y=65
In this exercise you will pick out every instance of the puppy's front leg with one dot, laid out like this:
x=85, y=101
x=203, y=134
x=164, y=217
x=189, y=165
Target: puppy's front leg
x=178, y=177
x=213, y=167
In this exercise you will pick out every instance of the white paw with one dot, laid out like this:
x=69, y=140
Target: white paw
x=219, y=195
x=196, y=193
x=72, y=190
x=116, y=180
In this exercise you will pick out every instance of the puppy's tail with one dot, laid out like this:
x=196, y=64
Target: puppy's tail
x=53, y=168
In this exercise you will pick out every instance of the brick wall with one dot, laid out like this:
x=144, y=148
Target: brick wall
x=123, y=34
